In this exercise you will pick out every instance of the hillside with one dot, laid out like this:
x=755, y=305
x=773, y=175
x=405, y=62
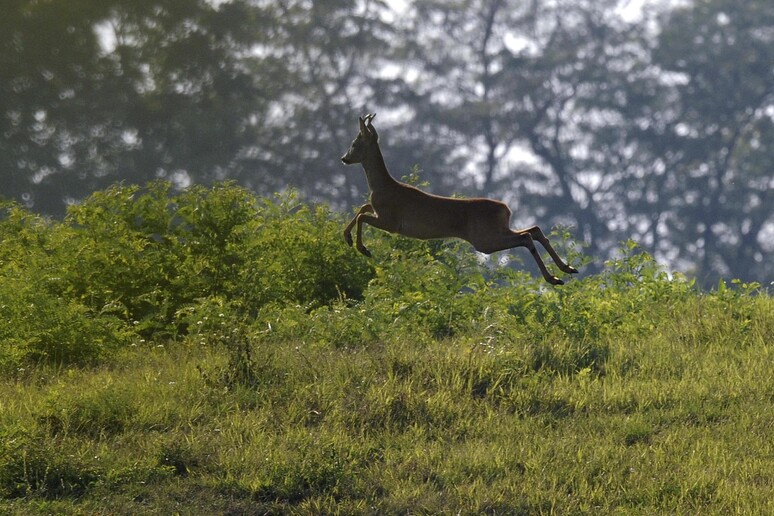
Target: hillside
x=213, y=352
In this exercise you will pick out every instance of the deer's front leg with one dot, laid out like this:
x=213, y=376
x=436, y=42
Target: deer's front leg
x=366, y=208
x=375, y=222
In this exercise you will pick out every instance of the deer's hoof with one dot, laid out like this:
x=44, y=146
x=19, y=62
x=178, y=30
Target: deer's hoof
x=571, y=270
x=365, y=251
x=555, y=281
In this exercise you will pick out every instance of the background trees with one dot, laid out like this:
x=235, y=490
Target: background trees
x=719, y=212
x=94, y=92
x=653, y=126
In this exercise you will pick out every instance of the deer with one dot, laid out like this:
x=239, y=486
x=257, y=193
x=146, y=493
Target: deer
x=401, y=208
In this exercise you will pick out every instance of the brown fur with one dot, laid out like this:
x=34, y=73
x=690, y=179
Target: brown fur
x=401, y=208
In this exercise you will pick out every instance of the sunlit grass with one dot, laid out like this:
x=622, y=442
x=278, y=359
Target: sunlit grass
x=210, y=366
x=678, y=422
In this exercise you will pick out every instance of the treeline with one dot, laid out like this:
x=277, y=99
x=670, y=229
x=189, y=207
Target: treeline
x=651, y=127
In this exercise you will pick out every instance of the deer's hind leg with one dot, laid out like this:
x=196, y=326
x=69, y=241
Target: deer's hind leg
x=515, y=239
x=537, y=234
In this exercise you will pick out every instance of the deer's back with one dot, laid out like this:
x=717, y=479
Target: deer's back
x=414, y=213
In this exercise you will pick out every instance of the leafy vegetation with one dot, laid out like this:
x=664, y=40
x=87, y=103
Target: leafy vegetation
x=214, y=352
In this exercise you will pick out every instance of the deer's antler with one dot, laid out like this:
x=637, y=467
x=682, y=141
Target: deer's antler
x=367, y=119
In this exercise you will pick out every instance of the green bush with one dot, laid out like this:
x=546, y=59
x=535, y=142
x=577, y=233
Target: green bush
x=298, y=256
x=42, y=320
x=123, y=256
x=154, y=254
x=134, y=263
x=39, y=326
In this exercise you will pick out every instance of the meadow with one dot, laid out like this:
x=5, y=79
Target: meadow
x=213, y=352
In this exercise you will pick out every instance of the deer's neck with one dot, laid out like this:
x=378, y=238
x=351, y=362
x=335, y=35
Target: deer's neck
x=376, y=171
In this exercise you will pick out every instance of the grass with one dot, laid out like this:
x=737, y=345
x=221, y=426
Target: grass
x=211, y=352
x=679, y=422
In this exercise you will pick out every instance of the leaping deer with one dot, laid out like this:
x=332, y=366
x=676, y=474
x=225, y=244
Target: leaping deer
x=400, y=208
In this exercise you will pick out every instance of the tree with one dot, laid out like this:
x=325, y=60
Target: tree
x=450, y=55
x=328, y=55
x=569, y=88
x=714, y=200
x=531, y=96
x=98, y=91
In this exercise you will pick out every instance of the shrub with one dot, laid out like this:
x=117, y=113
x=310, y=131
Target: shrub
x=297, y=256
x=42, y=320
x=152, y=263
x=153, y=254
x=38, y=325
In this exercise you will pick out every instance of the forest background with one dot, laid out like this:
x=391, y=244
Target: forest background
x=653, y=123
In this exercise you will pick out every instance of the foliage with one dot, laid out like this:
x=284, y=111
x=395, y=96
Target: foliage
x=136, y=262
x=244, y=359
x=34, y=464
x=39, y=324
x=95, y=92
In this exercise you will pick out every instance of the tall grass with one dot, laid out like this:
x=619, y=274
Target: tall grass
x=212, y=352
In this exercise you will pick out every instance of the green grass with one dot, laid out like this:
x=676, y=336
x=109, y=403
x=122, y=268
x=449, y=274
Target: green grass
x=224, y=378
x=678, y=423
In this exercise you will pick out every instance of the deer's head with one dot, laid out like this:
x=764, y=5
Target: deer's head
x=365, y=139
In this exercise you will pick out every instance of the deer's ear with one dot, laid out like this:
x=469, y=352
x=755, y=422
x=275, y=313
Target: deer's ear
x=363, y=129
